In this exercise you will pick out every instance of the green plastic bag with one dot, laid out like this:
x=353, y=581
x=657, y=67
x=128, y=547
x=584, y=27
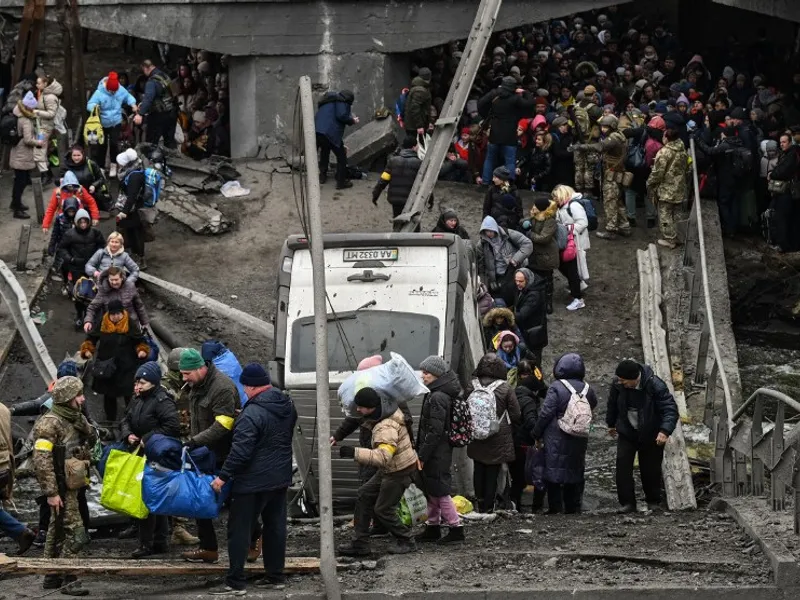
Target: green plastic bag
x=413, y=508
x=122, y=484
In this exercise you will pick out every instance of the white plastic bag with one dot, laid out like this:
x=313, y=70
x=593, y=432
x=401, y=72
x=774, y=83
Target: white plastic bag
x=413, y=508
x=423, y=140
x=233, y=189
x=180, y=138
x=394, y=379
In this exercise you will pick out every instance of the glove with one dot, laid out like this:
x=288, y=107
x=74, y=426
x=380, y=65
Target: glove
x=347, y=452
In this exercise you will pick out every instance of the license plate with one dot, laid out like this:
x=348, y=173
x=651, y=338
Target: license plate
x=359, y=254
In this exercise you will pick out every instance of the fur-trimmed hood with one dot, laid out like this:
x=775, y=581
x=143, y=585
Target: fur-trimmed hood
x=507, y=314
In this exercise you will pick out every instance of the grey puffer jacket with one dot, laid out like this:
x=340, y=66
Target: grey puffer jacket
x=103, y=260
x=499, y=448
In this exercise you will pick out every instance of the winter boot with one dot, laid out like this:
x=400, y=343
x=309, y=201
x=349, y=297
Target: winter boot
x=129, y=533
x=25, y=541
x=72, y=587
x=143, y=551
x=353, y=549
x=432, y=533
x=21, y=214
x=51, y=582
x=454, y=535
x=403, y=546
x=182, y=537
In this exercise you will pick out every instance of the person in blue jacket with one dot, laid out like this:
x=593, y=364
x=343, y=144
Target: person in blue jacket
x=333, y=115
x=260, y=467
x=109, y=98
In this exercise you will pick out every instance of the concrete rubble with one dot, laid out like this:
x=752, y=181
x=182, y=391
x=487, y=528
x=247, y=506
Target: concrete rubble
x=371, y=141
x=184, y=207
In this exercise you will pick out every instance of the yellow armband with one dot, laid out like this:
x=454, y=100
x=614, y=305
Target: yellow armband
x=43, y=445
x=225, y=421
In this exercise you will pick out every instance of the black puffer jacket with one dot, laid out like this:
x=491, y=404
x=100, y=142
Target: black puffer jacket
x=153, y=412
x=530, y=310
x=261, y=451
x=433, y=443
x=88, y=172
x=563, y=166
x=504, y=205
x=505, y=108
x=77, y=247
x=400, y=172
x=530, y=392
x=654, y=404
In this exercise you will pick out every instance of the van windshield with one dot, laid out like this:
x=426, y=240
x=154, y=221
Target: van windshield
x=411, y=335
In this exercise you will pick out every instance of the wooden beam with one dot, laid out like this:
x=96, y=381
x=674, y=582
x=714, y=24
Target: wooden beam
x=20, y=565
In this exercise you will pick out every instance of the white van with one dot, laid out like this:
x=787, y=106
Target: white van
x=410, y=293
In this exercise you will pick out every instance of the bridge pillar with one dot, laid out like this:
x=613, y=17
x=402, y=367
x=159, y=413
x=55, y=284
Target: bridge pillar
x=264, y=92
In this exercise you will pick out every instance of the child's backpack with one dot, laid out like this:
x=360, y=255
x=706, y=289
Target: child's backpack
x=461, y=429
x=483, y=409
x=93, y=133
x=153, y=185
x=577, y=419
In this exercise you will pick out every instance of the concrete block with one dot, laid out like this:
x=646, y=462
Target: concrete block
x=187, y=209
x=372, y=140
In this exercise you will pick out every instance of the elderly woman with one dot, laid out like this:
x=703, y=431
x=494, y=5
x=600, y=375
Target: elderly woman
x=113, y=255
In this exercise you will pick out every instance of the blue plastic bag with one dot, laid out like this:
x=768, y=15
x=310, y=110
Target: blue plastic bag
x=167, y=452
x=183, y=493
x=153, y=356
x=225, y=361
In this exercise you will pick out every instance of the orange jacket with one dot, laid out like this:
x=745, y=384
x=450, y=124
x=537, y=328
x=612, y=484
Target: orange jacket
x=85, y=200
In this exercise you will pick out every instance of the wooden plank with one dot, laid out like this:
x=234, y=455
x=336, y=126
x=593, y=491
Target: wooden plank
x=125, y=567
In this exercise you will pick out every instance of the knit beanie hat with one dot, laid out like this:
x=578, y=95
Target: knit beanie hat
x=502, y=173
x=542, y=204
x=369, y=362
x=66, y=389
x=191, y=360
x=115, y=306
x=112, y=82
x=367, y=398
x=254, y=375
x=127, y=157
x=425, y=74
x=67, y=368
x=435, y=365
x=149, y=371
x=628, y=369
x=29, y=101
x=174, y=359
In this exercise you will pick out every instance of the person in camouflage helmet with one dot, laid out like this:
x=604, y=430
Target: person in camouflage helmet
x=667, y=182
x=62, y=434
x=612, y=147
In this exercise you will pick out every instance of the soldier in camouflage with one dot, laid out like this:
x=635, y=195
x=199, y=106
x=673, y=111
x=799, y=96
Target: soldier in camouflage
x=612, y=147
x=667, y=185
x=584, y=116
x=62, y=434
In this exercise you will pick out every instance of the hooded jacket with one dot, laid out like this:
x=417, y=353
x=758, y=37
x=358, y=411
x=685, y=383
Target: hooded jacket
x=260, y=458
x=418, y=105
x=110, y=103
x=542, y=233
x=655, y=406
x=529, y=391
x=498, y=254
x=433, y=440
x=333, y=115
x=441, y=226
x=55, y=206
x=722, y=154
x=391, y=448
x=103, y=260
x=78, y=245
x=48, y=107
x=491, y=329
x=565, y=455
x=530, y=310
x=498, y=448
x=127, y=294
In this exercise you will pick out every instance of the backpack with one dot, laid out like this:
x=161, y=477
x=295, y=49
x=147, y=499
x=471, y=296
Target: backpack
x=483, y=409
x=9, y=131
x=93, y=133
x=591, y=213
x=153, y=185
x=577, y=418
x=570, y=251
x=461, y=431
x=742, y=161
x=634, y=157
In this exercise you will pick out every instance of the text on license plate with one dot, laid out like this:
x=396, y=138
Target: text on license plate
x=357, y=254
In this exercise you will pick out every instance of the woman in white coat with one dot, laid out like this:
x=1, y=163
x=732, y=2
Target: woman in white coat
x=572, y=215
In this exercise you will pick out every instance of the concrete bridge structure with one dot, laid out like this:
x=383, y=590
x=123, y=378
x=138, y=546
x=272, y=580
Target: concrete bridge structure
x=362, y=45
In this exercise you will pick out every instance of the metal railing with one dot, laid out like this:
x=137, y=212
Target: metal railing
x=746, y=454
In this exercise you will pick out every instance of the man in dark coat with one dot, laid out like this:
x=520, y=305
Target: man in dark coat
x=530, y=311
x=504, y=107
x=641, y=414
x=563, y=169
x=530, y=390
x=400, y=172
x=260, y=467
x=434, y=452
x=565, y=455
x=417, y=113
x=333, y=115
x=730, y=181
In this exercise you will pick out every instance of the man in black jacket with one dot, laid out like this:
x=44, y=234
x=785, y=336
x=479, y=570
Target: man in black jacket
x=641, y=414
x=76, y=248
x=504, y=107
x=732, y=176
x=400, y=172
x=260, y=467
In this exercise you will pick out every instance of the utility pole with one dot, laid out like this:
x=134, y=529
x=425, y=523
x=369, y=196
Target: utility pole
x=327, y=557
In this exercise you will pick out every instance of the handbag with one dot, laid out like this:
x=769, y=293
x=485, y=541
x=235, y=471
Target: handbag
x=122, y=484
x=570, y=251
x=534, y=467
x=104, y=369
x=778, y=187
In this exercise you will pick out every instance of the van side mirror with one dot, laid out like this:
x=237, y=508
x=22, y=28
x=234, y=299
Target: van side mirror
x=276, y=373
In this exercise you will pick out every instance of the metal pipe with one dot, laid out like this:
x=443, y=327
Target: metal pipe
x=712, y=330
x=169, y=338
x=327, y=561
x=774, y=394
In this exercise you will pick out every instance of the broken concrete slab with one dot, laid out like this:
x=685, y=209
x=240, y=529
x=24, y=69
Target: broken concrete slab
x=187, y=209
x=370, y=142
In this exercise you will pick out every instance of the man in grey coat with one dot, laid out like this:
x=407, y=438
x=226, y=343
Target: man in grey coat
x=502, y=252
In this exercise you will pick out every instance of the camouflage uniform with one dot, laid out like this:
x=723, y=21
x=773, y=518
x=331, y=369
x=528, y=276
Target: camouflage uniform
x=613, y=148
x=586, y=159
x=58, y=438
x=667, y=184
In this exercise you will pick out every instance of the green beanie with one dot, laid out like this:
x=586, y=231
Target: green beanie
x=191, y=360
